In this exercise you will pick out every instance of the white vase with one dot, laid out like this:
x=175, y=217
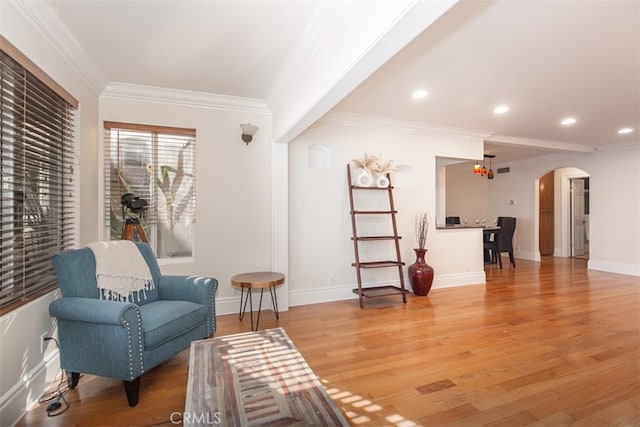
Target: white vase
x=382, y=181
x=364, y=179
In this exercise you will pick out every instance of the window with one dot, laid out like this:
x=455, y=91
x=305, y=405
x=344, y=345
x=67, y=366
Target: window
x=36, y=165
x=156, y=164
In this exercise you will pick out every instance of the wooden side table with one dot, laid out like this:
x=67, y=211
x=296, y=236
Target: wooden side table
x=257, y=280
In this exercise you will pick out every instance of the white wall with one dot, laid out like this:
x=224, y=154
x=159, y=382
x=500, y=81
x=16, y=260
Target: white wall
x=233, y=188
x=24, y=372
x=466, y=194
x=320, y=246
x=614, y=179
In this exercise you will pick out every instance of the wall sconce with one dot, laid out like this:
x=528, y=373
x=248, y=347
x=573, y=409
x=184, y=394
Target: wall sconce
x=248, y=130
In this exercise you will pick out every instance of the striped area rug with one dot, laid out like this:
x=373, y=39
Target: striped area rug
x=255, y=379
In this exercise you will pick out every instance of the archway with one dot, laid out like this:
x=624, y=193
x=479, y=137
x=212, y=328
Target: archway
x=563, y=211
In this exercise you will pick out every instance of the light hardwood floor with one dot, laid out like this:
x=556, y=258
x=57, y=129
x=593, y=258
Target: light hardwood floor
x=547, y=343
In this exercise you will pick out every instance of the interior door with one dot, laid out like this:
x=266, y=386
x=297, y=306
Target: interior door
x=546, y=214
x=577, y=217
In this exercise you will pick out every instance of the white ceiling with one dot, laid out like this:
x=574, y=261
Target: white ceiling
x=236, y=48
x=546, y=59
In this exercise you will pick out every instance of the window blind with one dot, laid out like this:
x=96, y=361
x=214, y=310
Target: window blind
x=157, y=164
x=36, y=164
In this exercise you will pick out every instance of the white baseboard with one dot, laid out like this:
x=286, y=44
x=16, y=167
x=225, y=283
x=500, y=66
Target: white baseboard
x=592, y=264
x=320, y=295
x=231, y=305
x=340, y=293
x=459, y=279
x=614, y=267
x=528, y=255
x=15, y=403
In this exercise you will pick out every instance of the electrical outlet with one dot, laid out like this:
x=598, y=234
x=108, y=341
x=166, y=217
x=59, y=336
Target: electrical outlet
x=43, y=342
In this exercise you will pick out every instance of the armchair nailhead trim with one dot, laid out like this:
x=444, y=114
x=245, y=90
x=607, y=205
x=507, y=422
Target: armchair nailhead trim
x=130, y=345
x=129, y=342
x=211, y=318
x=140, y=343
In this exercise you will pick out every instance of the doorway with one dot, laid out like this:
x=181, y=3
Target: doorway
x=579, y=215
x=546, y=212
x=562, y=213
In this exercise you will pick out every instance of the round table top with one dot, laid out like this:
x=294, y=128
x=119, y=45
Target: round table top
x=259, y=279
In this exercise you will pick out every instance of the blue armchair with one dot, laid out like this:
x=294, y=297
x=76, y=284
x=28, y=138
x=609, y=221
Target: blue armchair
x=122, y=340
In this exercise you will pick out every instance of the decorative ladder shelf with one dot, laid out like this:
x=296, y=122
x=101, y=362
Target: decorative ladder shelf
x=382, y=290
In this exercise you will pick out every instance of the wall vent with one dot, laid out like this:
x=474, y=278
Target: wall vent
x=503, y=170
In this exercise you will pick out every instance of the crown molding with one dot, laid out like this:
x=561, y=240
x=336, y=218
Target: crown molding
x=619, y=146
x=183, y=98
x=43, y=19
x=385, y=123
x=540, y=144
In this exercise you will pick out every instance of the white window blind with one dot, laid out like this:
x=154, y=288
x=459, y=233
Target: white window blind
x=36, y=165
x=156, y=164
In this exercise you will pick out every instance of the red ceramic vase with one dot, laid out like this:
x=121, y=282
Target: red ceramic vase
x=420, y=274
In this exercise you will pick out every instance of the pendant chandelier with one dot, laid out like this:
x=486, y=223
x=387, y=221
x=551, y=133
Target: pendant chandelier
x=482, y=170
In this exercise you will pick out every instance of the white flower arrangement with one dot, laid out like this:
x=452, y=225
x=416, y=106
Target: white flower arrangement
x=373, y=166
x=369, y=163
x=385, y=168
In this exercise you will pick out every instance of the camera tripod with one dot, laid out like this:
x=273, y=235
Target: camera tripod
x=127, y=230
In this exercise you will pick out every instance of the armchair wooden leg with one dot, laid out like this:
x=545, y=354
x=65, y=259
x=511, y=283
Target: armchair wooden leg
x=72, y=379
x=132, y=388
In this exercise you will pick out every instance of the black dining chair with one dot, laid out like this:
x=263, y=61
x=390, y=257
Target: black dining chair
x=503, y=241
x=452, y=220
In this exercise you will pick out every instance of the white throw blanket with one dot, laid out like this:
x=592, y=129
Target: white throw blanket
x=121, y=270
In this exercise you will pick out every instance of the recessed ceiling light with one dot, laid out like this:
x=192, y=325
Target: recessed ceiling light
x=624, y=131
x=420, y=93
x=568, y=121
x=501, y=109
